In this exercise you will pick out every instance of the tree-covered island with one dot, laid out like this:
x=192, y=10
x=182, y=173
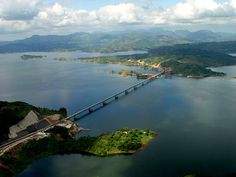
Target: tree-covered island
x=123, y=141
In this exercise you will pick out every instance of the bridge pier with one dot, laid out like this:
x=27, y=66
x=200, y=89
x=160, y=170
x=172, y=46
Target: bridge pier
x=104, y=103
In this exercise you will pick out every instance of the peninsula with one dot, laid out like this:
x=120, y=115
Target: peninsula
x=186, y=60
x=171, y=66
x=61, y=140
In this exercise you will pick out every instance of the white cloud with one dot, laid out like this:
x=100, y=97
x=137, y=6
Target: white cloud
x=197, y=10
x=13, y=26
x=233, y=3
x=121, y=13
x=32, y=15
x=59, y=16
x=18, y=9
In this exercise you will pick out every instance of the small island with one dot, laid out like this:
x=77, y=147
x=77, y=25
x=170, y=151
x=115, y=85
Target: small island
x=27, y=57
x=65, y=59
x=123, y=141
x=138, y=75
x=234, y=78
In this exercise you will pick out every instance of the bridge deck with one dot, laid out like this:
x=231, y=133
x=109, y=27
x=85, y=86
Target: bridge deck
x=107, y=100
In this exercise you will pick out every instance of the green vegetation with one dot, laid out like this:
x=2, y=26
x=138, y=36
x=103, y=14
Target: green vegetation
x=195, y=54
x=169, y=64
x=188, y=60
x=21, y=156
x=125, y=73
x=12, y=113
x=124, y=141
x=123, y=60
x=188, y=70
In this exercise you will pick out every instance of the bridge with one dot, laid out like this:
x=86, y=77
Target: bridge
x=90, y=109
x=82, y=113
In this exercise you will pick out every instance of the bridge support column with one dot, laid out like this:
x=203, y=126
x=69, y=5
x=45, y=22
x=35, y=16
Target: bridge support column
x=104, y=103
x=126, y=92
x=90, y=110
x=116, y=97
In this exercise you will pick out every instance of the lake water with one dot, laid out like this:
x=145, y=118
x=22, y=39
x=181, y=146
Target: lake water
x=195, y=118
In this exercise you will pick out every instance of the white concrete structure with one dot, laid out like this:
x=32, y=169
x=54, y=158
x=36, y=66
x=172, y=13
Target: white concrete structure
x=30, y=119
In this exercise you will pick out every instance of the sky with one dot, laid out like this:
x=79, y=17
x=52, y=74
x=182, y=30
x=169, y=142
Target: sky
x=23, y=18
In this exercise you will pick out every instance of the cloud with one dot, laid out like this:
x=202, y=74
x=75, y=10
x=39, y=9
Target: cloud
x=35, y=16
x=59, y=16
x=18, y=9
x=120, y=13
x=195, y=10
x=233, y=3
x=13, y=26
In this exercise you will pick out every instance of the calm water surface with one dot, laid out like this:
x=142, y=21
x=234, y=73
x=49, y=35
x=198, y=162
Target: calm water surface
x=195, y=118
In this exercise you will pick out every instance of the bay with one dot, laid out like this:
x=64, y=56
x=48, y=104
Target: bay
x=195, y=118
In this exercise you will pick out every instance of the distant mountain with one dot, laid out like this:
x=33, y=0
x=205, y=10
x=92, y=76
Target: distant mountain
x=112, y=41
x=200, y=36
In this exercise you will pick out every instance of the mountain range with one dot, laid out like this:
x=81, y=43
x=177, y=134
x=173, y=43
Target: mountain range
x=112, y=41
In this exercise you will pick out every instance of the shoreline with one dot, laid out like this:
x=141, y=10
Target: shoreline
x=153, y=66
x=61, y=141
